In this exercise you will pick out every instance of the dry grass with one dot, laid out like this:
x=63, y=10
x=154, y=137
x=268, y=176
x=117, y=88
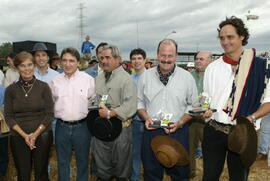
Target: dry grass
x=258, y=172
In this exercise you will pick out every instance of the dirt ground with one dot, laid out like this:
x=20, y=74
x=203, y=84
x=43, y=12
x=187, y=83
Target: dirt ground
x=258, y=172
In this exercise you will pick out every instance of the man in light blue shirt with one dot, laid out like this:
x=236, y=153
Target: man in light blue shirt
x=87, y=46
x=42, y=72
x=172, y=90
x=94, y=71
x=137, y=57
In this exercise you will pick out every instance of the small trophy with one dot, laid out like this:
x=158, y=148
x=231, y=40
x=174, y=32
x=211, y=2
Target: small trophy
x=97, y=101
x=94, y=105
x=201, y=104
x=161, y=120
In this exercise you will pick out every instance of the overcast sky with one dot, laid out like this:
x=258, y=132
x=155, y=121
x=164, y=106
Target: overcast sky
x=117, y=22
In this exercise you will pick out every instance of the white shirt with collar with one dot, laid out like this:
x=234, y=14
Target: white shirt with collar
x=218, y=80
x=175, y=98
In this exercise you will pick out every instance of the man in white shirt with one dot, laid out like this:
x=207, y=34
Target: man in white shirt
x=171, y=90
x=236, y=85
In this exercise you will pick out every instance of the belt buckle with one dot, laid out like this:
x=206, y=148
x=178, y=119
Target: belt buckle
x=126, y=123
x=225, y=129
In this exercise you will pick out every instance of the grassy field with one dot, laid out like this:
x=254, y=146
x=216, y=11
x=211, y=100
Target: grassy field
x=258, y=172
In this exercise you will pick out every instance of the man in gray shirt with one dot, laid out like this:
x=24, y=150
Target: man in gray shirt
x=169, y=89
x=113, y=158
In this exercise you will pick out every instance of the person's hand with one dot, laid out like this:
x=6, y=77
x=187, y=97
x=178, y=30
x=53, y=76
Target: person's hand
x=174, y=127
x=149, y=122
x=103, y=111
x=252, y=119
x=33, y=138
x=28, y=138
x=207, y=114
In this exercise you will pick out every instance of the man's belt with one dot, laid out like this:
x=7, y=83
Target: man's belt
x=72, y=122
x=126, y=123
x=225, y=128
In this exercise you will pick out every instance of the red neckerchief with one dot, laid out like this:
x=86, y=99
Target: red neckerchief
x=229, y=60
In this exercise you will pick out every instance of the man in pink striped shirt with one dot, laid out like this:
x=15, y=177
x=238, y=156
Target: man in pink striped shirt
x=72, y=91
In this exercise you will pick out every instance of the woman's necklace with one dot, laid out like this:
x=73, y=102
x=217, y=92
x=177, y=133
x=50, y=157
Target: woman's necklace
x=28, y=91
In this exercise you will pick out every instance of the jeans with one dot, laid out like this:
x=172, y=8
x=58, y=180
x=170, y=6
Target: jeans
x=53, y=128
x=70, y=138
x=153, y=170
x=137, y=132
x=3, y=155
x=264, y=136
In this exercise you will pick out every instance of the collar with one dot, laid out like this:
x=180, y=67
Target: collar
x=27, y=83
x=228, y=60
x=37, y=70
x=118, y=69
x=168, y=74
x=135, y=73
x=73, y=75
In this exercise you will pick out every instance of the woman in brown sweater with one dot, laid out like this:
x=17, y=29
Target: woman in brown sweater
x=28, y=112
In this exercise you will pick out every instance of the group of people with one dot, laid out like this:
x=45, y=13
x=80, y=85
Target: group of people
x=44, y=107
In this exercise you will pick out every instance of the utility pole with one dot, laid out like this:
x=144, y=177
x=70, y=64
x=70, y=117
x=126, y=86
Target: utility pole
x=81, y=23
x=137, y=34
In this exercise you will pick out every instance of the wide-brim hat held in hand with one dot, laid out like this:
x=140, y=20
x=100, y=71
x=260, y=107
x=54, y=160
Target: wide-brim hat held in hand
x=102, y=128
x=242, y=139
x=169, y=152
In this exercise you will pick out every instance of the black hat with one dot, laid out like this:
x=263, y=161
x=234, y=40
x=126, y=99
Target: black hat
x=102, y=128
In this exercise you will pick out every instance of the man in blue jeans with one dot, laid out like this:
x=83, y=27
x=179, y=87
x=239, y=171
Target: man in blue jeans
x=169, y=89
x=72, y=93
x=137, y=57
x=264, y=138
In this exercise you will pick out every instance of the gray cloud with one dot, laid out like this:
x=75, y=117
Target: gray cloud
x=116, y=22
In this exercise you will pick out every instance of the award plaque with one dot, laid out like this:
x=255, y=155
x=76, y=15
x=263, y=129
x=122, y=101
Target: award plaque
x=201, y=104
x=161, y=120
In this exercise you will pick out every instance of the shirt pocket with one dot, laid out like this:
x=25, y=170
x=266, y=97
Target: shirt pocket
x=82, y=99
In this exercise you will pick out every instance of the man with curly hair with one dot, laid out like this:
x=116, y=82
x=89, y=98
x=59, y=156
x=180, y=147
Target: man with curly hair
x=237, y=85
